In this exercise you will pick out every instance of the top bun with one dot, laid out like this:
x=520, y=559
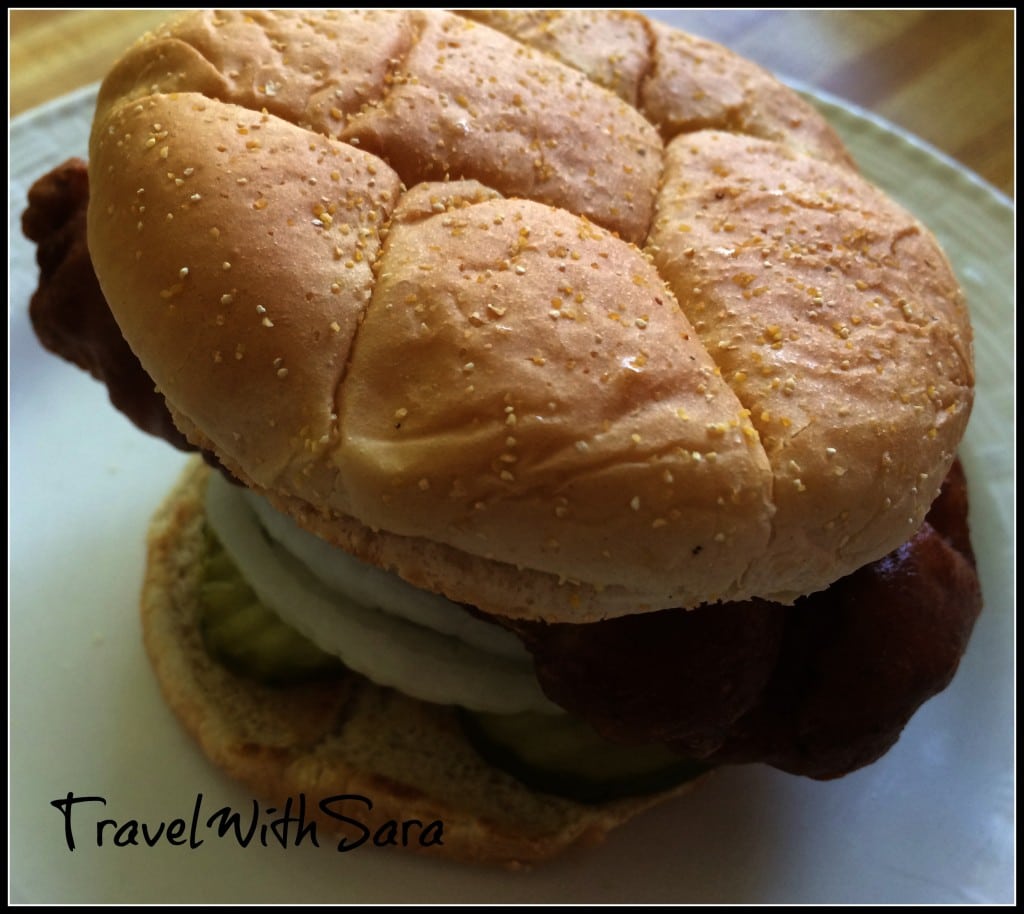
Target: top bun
x=561, y=343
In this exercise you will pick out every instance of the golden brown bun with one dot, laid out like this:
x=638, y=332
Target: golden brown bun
x=480, y=382
x=347, y=736
x=680, y=82
x=839, y=325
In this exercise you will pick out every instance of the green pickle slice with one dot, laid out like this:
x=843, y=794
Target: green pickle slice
x=553, y=753
x=247, y=637
x=564, y=755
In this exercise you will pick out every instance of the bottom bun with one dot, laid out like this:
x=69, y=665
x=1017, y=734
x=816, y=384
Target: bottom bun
x=346, y=737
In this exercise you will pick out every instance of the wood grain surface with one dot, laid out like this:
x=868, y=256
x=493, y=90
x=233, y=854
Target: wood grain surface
x=946, y=76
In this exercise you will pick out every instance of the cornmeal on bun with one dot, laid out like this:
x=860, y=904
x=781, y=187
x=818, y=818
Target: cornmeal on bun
x=585, y=327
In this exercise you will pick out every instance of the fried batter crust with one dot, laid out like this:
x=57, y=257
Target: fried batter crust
x=820, y=688
x=68, y=311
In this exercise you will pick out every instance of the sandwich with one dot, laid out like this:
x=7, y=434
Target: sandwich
x=574, y=418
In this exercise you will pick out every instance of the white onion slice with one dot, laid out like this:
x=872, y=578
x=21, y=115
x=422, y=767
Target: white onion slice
x=348, y=577
x=388, y=650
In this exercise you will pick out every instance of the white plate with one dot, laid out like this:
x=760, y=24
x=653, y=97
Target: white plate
x=931, y=822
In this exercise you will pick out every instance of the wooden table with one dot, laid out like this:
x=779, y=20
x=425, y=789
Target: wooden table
x=945, y=76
